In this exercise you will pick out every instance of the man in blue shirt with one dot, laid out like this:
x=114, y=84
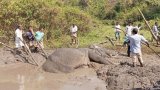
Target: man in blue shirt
x=39, y=38
x=135, y=46
x=30, y=36
x=39, y=35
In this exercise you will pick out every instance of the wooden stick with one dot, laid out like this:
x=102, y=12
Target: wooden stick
x=46, y=56
x=28, y=51
x=110, y=40
x=154, y=37
x=102, y=42
x=42, y=50
x=6, y=45
x=152, y=49
x=121, y=30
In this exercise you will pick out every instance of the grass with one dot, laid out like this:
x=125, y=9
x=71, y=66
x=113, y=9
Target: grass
x=94, y=37
x=97, y=36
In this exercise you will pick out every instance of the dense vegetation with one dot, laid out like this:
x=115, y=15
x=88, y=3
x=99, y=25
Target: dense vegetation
x=57, y=16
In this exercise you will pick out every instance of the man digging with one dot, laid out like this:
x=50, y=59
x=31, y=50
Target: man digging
x=135, y=46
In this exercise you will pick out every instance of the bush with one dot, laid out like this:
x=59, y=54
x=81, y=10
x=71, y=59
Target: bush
x=50, y=14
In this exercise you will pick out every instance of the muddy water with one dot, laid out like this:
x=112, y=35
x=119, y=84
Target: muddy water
x=20, y=76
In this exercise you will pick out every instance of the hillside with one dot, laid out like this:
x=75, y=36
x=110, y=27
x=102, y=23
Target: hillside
x=93, y=18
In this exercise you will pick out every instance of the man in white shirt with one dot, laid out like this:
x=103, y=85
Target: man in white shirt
x=117, y=31
x=128, y=32
x=135, y=46
x=138, y=27
x=155, y=29
x=73, y=31
x=128, y=29
x=18, y=38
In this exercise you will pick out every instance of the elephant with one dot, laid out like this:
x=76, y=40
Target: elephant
x=67, y=59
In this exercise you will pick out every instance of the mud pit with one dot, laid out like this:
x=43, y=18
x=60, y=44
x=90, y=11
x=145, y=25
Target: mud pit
x=126, y=77
x=15, y=75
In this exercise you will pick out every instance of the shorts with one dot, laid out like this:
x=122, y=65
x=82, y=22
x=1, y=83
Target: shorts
x=74, y=35
x=136, y=56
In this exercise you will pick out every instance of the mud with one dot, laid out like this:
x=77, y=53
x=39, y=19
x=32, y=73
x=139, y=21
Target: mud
x=126, y=77
x=17, y=74
x=6, y=56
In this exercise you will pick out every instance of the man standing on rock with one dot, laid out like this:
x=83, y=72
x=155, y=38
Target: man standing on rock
x=39, y=38
x=30, y=36
x=135, y=46
x=19, y=38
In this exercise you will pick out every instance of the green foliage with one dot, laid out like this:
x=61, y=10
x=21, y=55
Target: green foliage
x=97, y=8
x=50, y=14
x=58, y=15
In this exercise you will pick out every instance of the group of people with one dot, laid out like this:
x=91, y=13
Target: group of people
x=133, y=40
x=34, y=39
x=128, y=29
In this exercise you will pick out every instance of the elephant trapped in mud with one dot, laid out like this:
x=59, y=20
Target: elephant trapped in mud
x=68, y=59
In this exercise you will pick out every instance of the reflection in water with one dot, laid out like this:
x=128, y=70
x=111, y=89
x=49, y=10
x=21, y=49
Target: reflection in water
x=21, y=81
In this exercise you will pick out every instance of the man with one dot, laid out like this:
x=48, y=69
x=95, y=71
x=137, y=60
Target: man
x=30, y=36
x=138, y=27
x=73, y=31
x=18, y=37
x=117, y=31
x=128, y=33
x=155, y=29
x=128, y=29
x=39, y=38
x=135, y=46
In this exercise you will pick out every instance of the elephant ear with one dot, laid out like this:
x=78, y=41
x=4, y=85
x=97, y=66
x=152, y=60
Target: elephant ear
x=99, y=55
